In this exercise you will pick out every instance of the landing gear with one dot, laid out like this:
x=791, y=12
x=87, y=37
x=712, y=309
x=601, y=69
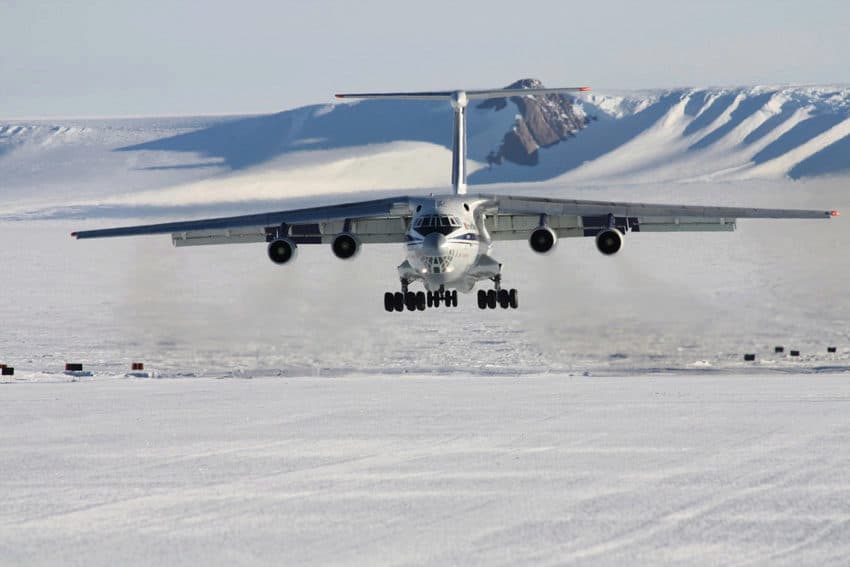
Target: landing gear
x=418, y=301
x=504, y=298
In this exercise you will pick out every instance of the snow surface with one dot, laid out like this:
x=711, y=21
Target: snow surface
x=543, y=470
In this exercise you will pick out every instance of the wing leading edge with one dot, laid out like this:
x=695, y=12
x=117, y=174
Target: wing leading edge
x=380, y=208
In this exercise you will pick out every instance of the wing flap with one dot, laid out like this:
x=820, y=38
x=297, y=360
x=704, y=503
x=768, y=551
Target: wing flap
x=519, y=227
x=369, y=231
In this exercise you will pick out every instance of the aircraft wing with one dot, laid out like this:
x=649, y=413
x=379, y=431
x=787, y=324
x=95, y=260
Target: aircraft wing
x=513, y=217
x=381, y=220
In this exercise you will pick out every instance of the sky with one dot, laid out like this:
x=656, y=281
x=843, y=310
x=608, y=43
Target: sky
x=161, y=57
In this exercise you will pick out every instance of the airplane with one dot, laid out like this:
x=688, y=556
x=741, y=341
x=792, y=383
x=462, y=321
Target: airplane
x=449, y=238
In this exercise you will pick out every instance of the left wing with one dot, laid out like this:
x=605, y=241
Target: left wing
x=381, y=220
x=512, y=217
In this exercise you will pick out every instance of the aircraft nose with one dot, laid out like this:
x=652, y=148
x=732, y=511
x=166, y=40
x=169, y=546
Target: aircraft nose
x=435, y=244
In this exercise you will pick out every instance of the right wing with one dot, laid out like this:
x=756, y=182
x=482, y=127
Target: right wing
x=381, y=220
x=513, y=217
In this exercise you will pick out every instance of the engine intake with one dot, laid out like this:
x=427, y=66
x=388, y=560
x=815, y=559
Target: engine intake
x=345, y=246
x=282, y=250
x=543, y=240
x=609, y=241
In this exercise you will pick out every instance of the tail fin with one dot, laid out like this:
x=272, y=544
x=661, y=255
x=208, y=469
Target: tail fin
x=459, y=99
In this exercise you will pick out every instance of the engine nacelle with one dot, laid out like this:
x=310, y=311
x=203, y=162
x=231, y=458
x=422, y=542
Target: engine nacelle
x=543, y=240
x=609, y=241
x=345, y=246
x=282, y=250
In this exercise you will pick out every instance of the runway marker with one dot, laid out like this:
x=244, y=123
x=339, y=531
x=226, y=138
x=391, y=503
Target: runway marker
x=795, y=353
x=749, y=357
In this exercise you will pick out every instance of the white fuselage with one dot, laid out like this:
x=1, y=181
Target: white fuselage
x=445, y=243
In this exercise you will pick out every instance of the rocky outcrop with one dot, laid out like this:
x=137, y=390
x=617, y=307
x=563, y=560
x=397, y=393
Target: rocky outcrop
x=543, y=120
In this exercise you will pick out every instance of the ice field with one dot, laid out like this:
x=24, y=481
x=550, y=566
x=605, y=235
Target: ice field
x=499, y=470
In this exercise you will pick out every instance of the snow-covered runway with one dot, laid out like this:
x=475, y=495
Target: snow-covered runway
x=547, y=469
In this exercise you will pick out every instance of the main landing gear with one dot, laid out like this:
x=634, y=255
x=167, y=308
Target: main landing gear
x=504, y=298
x=418, y=301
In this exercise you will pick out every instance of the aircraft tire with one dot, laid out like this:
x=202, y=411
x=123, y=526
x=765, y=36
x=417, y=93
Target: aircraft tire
x=491, y=299
x=410, y=301
x=453, y=298
x=398, y=301
x=420, y=300
x=430, y=298
x=482, y=299
x=513, y=295
x=504, y=299
x=389, y=301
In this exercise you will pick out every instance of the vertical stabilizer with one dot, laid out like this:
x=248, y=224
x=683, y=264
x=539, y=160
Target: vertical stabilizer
x=459, y=102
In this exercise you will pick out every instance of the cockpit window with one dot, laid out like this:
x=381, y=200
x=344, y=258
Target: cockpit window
x=426, y=224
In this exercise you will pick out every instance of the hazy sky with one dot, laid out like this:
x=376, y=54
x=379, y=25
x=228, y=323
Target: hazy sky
x=148, y=57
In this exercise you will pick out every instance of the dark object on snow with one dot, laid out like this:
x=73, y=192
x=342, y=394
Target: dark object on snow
x=138, y=366
x=778, y=349
x=749, y=357
x=7, y=371
x=795, y=353
x=831, y=349
x=73, y=367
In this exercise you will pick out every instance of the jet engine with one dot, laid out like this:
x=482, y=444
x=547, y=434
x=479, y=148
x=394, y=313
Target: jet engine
x=345, y=245
x=543, y=240
x=609, y=241
x=282, y=250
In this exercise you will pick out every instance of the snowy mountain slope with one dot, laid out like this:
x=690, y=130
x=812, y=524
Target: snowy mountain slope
x=644, y=137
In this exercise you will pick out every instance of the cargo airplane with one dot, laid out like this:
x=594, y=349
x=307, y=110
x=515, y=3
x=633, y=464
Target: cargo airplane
x=449, y=238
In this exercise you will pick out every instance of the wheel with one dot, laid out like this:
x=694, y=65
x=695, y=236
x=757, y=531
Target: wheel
x=389, y=301
x=410, y=301
x=398, y=301
x=430, y=298
x=454, y=298
x=420, y=300
x=513, y=295
x=482, y=299
x=504, y=298
x=491, y=299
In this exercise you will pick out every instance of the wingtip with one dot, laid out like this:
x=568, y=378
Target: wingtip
x=584, y=89
x=835, y=213
x=73, y=235
x=339, y=95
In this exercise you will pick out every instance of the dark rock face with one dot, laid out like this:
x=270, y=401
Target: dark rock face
x=544, y=121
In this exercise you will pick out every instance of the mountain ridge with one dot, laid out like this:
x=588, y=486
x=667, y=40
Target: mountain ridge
x=661, y=136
